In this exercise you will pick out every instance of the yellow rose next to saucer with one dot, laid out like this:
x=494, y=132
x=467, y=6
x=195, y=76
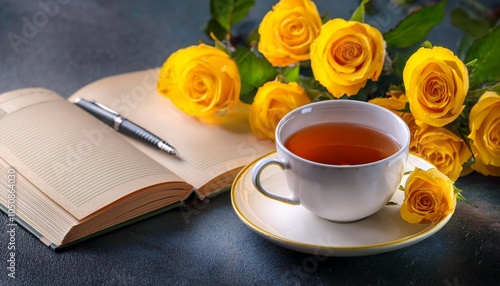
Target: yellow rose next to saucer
x=429, y=195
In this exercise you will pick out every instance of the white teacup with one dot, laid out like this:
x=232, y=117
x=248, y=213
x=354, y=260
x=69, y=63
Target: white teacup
x=341, y=193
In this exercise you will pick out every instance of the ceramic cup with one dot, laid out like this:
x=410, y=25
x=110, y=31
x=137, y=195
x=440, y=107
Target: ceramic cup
x=340, y=193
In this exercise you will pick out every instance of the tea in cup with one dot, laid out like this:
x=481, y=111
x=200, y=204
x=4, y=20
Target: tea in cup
x=342, y=159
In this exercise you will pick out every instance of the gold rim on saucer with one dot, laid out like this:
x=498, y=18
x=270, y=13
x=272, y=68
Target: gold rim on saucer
x=296, y=228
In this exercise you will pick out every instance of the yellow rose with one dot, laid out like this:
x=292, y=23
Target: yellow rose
x=200, y=80
x=286, y=32
x=346, y=55
x=396, y=102
x=273, y=100
x=429, y=195
x=484, y=123
x=436, y=82
x=441, y=147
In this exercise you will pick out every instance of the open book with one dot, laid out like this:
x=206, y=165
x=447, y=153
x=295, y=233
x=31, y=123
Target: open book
x=66, y=176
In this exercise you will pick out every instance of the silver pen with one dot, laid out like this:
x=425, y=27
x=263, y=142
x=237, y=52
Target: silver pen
x=123, y=125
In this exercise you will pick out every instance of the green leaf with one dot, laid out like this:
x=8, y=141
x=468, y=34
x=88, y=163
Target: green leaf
x=469, y=24
x=400, y=58
x=471, y=64
x=241, y=9
x=359, y=13
x=248, y=97
x=221, y=12
x=254, y=72
x=309, y=82
x=460, y=197
x=290, y=73
x=464, y=46
x=414, y=28
x=473, y=95
x=212, y=26
x=227, y=12
x=486, y=51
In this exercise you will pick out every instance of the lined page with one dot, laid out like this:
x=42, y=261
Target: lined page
x=206, y=150
x=74, y=158
x=53, y=222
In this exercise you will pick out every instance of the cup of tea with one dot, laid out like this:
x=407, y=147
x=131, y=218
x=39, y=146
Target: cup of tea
x=342, y=159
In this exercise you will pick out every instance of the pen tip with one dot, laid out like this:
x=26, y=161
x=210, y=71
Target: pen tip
x=167, y=148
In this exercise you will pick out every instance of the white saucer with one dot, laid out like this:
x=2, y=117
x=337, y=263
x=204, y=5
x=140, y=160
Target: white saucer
x=296, y=228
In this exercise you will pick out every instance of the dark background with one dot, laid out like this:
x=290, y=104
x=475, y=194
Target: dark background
x=67, y=44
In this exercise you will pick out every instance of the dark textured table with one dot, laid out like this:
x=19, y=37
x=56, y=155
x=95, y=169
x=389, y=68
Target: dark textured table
x=63, y=45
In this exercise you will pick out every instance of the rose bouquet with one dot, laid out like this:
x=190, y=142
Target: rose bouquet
x=296, y=56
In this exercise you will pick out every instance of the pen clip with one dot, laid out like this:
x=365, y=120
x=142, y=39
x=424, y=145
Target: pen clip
x=105, y=107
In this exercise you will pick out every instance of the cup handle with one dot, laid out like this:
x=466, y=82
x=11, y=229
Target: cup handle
x=257, y=170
